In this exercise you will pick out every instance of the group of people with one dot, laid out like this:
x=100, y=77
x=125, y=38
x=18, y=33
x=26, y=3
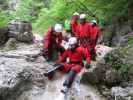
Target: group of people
x=82, y=42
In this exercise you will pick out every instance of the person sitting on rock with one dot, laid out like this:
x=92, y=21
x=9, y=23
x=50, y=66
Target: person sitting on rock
x=76, y=55
x=52, y=42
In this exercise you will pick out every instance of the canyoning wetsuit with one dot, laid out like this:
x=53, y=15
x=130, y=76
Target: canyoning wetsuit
x=83, y=34
x=95, y=30
x=75, y=63
x=74, y=24
x=52, y=43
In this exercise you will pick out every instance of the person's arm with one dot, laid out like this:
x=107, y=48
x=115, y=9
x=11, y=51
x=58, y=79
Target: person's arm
x=60, y=38
x=62, y=58
x=47, y=37
x=87, y=56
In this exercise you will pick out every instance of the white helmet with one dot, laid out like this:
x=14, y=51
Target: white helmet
x=58, y=28
x=94, y=21
x=76, y=13
x=82, y=16
x=72, y=40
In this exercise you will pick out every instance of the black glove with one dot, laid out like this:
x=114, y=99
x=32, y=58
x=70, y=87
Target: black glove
x=87, y=66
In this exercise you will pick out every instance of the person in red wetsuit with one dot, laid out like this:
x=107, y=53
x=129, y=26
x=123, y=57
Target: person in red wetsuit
x=74, y=23
x=76, y=55
x=83, y=32
x=52, y=41
x=95, y=33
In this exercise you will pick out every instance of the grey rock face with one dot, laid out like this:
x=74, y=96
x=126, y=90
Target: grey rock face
x=17, y=73
x=21, y=31
x=11, y=44
x=120, y=93
x=3, y=35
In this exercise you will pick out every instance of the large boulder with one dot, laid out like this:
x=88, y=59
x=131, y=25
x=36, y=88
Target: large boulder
x=11, y=44
x=109, y=70
x=112, y=73
x=21, y=31
x=19, y=74
x=121, y=93
x=3, y=35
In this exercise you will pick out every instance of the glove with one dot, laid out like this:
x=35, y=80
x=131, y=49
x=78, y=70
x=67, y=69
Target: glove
x=87, y=66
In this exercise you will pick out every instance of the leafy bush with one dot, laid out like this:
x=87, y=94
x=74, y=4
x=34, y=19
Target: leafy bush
x=46, y=13
x=4, y=18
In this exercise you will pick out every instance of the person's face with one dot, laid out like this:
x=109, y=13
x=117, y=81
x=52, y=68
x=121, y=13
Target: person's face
x=72, y=46
x=93, y=24
x=82, y=21
x=77, y=17
x=56, y=33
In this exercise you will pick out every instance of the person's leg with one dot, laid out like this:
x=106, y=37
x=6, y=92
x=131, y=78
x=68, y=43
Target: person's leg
x=70, y=78
x=68, y=82
x=51, y=72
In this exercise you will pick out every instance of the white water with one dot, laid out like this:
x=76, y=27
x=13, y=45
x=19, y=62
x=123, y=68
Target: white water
x=52, y=91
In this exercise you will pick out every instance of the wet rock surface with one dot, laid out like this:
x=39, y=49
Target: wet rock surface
x=15, y=70
x=3, y=35
x=21, y=31
x=21, y=76
x=111, y=70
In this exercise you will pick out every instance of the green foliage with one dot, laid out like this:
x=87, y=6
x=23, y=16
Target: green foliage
x=26, y=10
x=46, y=13
x=130, y=40
x=4, y=18
x=57, y=12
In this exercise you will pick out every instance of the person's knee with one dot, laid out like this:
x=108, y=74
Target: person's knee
x=76, y=68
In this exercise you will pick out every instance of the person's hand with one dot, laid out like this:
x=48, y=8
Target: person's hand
x=87, y=66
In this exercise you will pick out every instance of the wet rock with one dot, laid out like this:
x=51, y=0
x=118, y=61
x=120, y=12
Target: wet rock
x=3, y=35
x=25, y=37
x=17, y=74
x=120, y=93
x=11, y=44
x=108, y=70
x=112, y=77
x=112, y=69
x=102, y=51
x=95, y=76
x=21, y=31
x=12, y=93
